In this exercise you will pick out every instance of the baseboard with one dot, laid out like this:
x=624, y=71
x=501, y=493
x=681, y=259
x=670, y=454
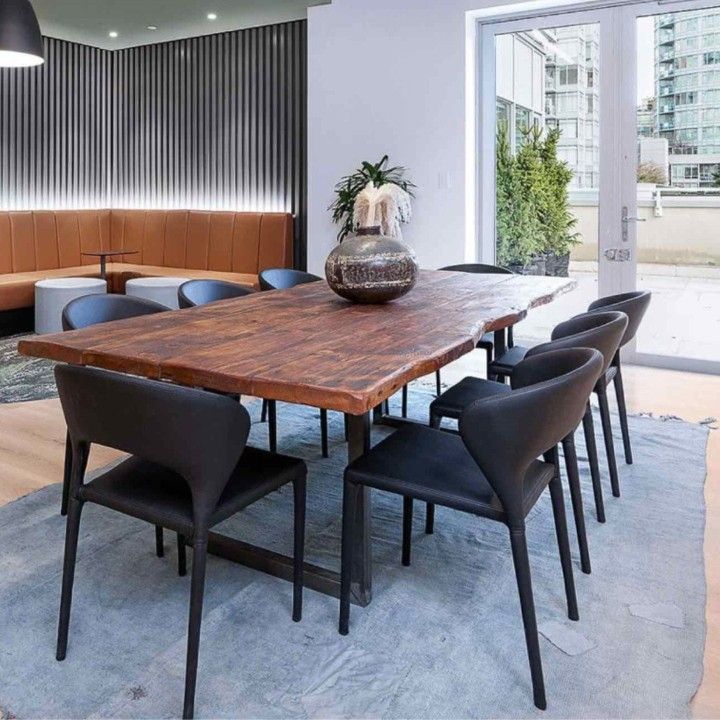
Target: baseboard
x=14, y=322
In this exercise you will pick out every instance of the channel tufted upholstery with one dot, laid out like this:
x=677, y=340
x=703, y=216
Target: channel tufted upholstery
x=233, y=246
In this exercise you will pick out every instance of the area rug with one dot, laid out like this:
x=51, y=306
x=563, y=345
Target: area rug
x=441, y=639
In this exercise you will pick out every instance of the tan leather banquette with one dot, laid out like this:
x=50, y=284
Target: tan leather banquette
x=233, y=246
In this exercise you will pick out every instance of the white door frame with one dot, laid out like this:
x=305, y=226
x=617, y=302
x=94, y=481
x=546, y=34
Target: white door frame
x=618, y=136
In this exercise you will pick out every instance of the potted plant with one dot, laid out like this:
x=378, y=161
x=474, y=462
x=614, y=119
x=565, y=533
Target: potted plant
x=371, y=264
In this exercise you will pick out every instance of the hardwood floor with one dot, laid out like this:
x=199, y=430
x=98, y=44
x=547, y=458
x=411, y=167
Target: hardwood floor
x=32, y=442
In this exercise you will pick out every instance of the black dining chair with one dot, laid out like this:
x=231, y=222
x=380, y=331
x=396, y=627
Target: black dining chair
x=201, y=292
x=284, y=279
x=599, y=331
x=193, y=475
x=486, y=342
x=634, y=305
x=94, y=310
x=490, y=470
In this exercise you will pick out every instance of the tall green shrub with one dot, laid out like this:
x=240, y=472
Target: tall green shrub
x=533, y=211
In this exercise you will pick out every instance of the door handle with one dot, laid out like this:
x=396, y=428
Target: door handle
x=626, y=219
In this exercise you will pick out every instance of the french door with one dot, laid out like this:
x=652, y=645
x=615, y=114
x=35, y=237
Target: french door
x=618, y=110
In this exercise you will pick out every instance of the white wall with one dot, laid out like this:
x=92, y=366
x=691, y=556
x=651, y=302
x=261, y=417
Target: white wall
x=389, y=76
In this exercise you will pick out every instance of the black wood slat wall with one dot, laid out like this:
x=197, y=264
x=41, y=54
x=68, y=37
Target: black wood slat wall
x=215, y=122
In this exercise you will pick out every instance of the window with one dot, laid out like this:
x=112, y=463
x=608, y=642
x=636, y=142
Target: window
x=686, y=82
x=711, y=58
x=686, y=117
x=686, y=45
x=568, y=74
x=711, y=40
x=567, y=104
x=590, y=104
x=568, y=128
x=686, y=98
x=522, y=125
x=591, y=78
x=503, y=114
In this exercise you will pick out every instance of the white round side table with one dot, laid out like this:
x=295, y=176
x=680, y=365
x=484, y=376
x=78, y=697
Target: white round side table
x=51, y=296
x=163, y=290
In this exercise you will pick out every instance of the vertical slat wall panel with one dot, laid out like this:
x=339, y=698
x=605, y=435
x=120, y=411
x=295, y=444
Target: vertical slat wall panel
x=53, y=130
x=215, y=123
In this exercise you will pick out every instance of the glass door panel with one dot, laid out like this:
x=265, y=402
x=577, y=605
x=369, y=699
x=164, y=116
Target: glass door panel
x=677, y=233
x=547, y=150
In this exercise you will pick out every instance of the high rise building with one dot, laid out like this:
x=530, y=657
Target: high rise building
x=571, y=99
x=687, y=84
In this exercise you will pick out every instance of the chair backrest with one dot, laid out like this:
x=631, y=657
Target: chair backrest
x=479, y=268
x=600, y=331
x=197, y=434
x=633, y=304
x=95, y=309
x=507, y=433
x=201, y=292
x=282, y=279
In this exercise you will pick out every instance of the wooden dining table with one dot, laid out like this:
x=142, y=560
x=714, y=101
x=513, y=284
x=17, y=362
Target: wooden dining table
x=306, y=345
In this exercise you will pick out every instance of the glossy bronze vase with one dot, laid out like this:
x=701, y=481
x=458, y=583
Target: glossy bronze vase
x=371, y=268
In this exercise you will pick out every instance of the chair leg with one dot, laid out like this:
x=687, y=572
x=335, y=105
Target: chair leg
x=609, y=444
x=324, y=432
x=435, y=420
x=347, y=427
x=438, y=383
x=197, y=590
x=350, y=494
x=72, y=533
x=589, y=430
x=159, y=542
x=264, y=412
x=272, y=425
x=66, y=476
x=527, y=606
x=571, y=466
x=407, y=530
x=622, y=410
x=299, y=547
x=429, y=518
x=558, y=503
x=488, y=360
x=405, y=401
x=182, y=555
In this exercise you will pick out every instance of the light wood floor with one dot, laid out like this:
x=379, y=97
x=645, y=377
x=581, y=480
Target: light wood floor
x=32, y=442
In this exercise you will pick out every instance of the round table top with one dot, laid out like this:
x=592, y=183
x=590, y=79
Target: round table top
x=71, y=283
x=156, y=282
x=109, y=253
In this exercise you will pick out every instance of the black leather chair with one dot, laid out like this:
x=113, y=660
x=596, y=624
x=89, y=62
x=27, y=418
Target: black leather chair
x=490, y=470
x=94, y=310
x=284, y=279
x=191, y=476
x=201, y=292
x=634, y=305
x=599, y=331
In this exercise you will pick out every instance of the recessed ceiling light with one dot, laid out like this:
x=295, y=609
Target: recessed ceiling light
x=112, y=34
x=152, y=27
x=212, y=16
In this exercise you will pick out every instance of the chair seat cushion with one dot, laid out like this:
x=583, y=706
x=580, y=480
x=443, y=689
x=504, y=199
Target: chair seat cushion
x=150, y=492
x=505, y=364
x=436, y=467
x=453, y=401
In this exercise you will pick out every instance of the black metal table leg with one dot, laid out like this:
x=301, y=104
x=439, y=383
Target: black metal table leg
x=358, y=445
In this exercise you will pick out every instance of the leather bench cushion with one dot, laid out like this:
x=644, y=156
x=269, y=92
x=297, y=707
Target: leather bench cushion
x=17, y=290
x=120, y=273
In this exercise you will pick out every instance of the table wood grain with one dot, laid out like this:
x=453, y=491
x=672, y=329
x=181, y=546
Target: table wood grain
x=306, y=345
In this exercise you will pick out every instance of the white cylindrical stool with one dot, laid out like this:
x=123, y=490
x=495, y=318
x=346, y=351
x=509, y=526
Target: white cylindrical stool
x=51, y=296
x=163, y=290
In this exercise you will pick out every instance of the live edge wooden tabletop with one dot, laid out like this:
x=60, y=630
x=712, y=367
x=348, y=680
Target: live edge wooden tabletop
x=306, y=345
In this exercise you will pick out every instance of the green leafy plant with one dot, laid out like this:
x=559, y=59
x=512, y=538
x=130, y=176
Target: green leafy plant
x=533, y=210
x=347, y=189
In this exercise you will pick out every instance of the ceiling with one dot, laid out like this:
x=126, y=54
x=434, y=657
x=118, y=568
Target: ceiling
x=90, y=21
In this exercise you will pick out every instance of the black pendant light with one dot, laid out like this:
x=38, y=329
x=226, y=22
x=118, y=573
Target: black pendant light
x=21, y=44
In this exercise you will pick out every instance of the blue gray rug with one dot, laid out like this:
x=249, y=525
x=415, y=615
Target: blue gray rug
x=441, y=639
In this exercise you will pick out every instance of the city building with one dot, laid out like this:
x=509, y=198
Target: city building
x=687, y=81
